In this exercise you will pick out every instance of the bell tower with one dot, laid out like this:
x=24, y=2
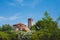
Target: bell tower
x=30, y=22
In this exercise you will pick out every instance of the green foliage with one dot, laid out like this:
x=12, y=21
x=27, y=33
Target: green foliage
x=58, y=19
x=6, y=32
x=24, y=35
x=48, y=29
x=13, y=35
x=46, y=35
x=45, y=29
x=46, y=22
x=46, y=14
x=0, y=28
x=8, y=36
x=6, y=27
x=4, y=36
x=33, y=27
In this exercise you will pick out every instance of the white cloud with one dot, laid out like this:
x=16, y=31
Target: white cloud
x=11, y=18
x=34, y=3
x=15, y=3
x=14, y=17
x=21, y=3
x=2, y=18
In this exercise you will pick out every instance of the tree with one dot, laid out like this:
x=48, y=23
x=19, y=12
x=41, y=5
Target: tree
x=58, y=19
x=44, y=34
x=48, y=29
x=46, y=22
x=6, y=27
x=0, y=28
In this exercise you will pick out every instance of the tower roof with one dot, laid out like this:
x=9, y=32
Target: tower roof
x=30, y=19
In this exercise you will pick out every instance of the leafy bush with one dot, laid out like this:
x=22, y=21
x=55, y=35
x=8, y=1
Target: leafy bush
x=4, y=36
x=46, y=35
x=24, y=35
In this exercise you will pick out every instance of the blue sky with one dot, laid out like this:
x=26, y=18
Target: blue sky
x=15, y=11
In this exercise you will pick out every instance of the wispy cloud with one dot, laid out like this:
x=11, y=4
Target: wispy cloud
x=2, y=18
x=11, y=18
x=15, y=3
x=14, y=17
x=34, y=3
x=21, y=3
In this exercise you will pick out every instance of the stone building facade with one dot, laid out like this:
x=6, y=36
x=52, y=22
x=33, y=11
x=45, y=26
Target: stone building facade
x=21, y=26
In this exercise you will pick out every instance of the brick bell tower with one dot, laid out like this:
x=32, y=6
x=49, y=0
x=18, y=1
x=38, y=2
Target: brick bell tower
x=30, y=22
